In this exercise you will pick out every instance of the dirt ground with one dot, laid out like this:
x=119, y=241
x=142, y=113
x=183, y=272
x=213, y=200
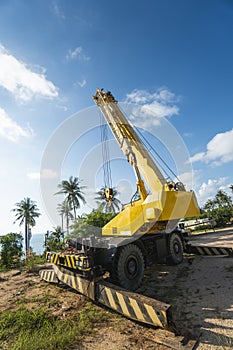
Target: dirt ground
x=199, y=290
x=115, y=333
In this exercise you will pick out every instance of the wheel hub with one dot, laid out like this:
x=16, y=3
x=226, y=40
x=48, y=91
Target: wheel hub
x=176, y=248
x=131, y=267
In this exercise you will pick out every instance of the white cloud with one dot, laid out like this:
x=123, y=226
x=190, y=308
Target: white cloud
x=187, y=134
x=125, y=190
x=77, y=54
x=218, y=151
x=197, y=157
x=152, y=106
x=57, y=10
x=34, y=176
x=188, y=179
x=17, y=78
x=48, y=174
x=44, y=174
x=160, y=110
x=208, y=189
x=82, y=83
x=10, y=130
x=162, y=95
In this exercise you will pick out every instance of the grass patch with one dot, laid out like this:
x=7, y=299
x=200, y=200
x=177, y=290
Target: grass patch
x=26, y=329
x=4, y=268
x=45, y=299
x=33, y=263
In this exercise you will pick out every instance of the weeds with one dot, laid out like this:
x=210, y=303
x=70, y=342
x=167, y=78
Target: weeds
x=33, y=263
x=45, y=299
x=26, y=329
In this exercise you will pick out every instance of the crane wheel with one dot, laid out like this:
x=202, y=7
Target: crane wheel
x=175, y=249
x=128, y=267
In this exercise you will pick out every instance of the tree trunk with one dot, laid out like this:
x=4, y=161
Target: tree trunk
x=62, y=222
x=74, y=212
x=67, y=224
x=29, y=236
x=26, y=237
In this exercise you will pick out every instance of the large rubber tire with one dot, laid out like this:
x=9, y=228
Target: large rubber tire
x=128, y=267
x=175, y=249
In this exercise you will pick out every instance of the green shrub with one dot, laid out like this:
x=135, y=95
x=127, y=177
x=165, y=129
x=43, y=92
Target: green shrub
x=11, y=250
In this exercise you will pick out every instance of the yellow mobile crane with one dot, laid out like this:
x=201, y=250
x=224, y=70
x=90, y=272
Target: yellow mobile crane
x=152, y=219
x=145, y=231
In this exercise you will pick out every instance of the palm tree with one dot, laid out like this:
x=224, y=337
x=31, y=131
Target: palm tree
x=65, y=210
x=60, y=210
x=110, y=204
x=231, y=187
x=73, y=191
x=25, y=212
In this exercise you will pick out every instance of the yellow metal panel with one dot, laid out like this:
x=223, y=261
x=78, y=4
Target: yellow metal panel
x=200, y=250
x=153, y=315
x=65, y=279
x=67, y=261
x=137, y=310
x=128, y=221
x=207, y=250
x=55, y=258
x=178, y=204
x=173, y=205
x=216, y=252
x=123, y=304
x=224, y=251
x=110, y=298
x=80, y=285
x=73, y=284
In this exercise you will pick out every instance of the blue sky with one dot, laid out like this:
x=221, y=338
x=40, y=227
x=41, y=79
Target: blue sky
x=173, y=58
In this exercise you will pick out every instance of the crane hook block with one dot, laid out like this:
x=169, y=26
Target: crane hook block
x=108, y=193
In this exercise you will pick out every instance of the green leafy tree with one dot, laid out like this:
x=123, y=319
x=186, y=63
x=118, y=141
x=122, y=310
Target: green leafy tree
x=54, y=239
x=222, y=199
x=90, y=224
x=73, y=193
x=11, y=250
x=26, y=212
x=220, y=208
x=105, y=205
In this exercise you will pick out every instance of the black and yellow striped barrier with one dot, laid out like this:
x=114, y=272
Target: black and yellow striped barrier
x=132, y=305
x=208, y=250
x=75, y=281
x=48, y=276
x=76, y=262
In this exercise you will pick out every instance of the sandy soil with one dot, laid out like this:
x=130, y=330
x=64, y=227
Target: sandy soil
x=199, y=290
x=218, y=238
